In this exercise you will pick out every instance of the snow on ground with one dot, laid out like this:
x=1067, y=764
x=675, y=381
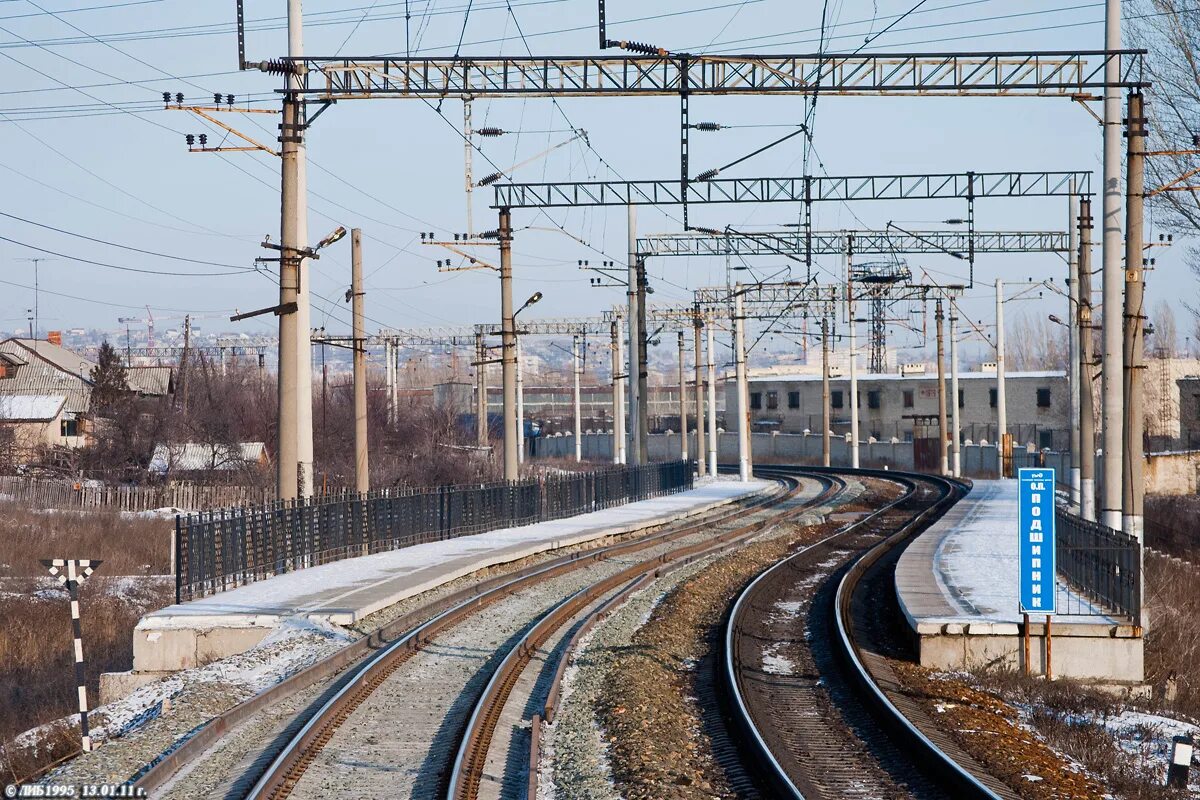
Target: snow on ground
x=776, y=664
x=976, y=564
x=296, y=644
x=331, y=586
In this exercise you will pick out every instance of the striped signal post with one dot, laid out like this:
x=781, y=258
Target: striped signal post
x=72, y=572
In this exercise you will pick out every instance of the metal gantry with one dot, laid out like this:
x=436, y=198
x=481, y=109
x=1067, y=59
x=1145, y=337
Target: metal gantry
x=795, y=241
x=796, y=189
x=1081, y=74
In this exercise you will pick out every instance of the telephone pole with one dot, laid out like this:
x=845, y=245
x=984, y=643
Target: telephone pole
x=294, y=465
x=713, y=442
x=508, y=349
x=853, y=375
x=698, y=352
x=481, y=406
x=576, y=369
x=1134, y=485
x=362, y=474
x=1074, y=338
x=1113, y=279
x=825, y=422
x=941, y=384
x=633, y=374
x=683, y=426
x=1087, y=419
x=742, y=386
x=618, y=395
x=1003, y=443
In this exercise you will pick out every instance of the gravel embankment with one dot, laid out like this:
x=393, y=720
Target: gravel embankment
x=629, y=725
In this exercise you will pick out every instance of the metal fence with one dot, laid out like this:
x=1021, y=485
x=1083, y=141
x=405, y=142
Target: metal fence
x=1102, y=567
x=220, y=550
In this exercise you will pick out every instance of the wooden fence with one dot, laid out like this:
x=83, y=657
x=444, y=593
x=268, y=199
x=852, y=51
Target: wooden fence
x=41, y=493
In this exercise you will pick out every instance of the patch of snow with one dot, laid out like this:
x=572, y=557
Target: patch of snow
x=776, y=664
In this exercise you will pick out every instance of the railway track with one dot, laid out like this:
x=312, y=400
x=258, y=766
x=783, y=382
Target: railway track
x=807, y=687
x=442, y=687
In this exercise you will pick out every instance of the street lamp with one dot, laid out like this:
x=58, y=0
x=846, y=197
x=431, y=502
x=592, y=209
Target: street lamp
x=335, y=236
x=533, y=298
x=1054, y=318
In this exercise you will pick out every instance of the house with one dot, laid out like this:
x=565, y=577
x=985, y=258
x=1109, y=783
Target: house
x=37, y=367
x=29, y=422
x=184, y=458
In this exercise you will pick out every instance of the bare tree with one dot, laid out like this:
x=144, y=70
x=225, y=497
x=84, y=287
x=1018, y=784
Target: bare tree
x=1165, y=341
x=1035, y=343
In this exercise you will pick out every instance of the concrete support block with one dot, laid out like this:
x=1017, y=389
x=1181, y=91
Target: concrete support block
x=168, y=649
x=119, y=685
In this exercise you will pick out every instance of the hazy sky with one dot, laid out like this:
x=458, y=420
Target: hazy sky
x=104, y=160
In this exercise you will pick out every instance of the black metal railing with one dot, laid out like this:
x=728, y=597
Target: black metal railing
x=226, y=548
x=1102, y=567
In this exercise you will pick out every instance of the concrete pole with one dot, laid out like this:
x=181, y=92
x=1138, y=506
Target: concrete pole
x=389, y=380
x=713, y=442
x=520, y=402
x=1073, y=344
x=618, y=395
x=1113, y=279
x=633, y=447
x=293, y=471
x=362, y=472
x=683, y=426
x=395, y=380
x=699, y=371
x=1001, y=410
x=825, y=421
x=508, y=351
x=955, y=420
x=643, y=426
x=854, y=462
x=481, y=409
x=576, y=369
x=1134, y=484
x=743, y=390
x=943, y=451
x=1087, y=419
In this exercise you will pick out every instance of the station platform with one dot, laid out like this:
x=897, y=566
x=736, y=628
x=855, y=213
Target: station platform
x=199, y=631
x=957, y=586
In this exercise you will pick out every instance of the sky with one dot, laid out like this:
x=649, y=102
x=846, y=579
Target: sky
x=86, y=148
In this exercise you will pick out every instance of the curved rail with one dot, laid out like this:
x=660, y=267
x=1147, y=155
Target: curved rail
x=946, y=770
x=470, y=759
x=289, y=765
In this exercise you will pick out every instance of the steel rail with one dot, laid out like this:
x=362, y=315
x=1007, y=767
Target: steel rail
x=349, y=658
x=774, y=773
x=947, y=770
x=965, y=784
x=290, y=763
x=470, y=759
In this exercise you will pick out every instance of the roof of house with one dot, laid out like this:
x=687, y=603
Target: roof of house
x=31, y=407
x=197, y=456
x=150, y=380
x=47, y=369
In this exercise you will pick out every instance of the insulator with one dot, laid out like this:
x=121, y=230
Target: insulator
x=229, y=100
x=276, y=66
x=493, y=234
x=179, y=98
x=167, y=98
x=707, y=126
x=456, y=237
x=707, y=175
x=191, y=140
x=422, y=236
x=490, y=131
x=495, y=176
x=203, y=139
x=642, y=47
x=217, y=98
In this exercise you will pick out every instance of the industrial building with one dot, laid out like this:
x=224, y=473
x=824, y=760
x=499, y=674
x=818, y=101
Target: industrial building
x=1038, y=405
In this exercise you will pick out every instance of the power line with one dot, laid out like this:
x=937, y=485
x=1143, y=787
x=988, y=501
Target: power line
x=124, y=268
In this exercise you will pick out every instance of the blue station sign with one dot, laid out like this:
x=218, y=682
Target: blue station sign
x=1035, y=495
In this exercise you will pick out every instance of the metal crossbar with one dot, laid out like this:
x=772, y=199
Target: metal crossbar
x=1071, y=74
x=964, y=186
x=220, y=550
x=864, y=242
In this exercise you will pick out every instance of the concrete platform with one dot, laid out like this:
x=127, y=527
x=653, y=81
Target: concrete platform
x=200, y=631
x=957, y=587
